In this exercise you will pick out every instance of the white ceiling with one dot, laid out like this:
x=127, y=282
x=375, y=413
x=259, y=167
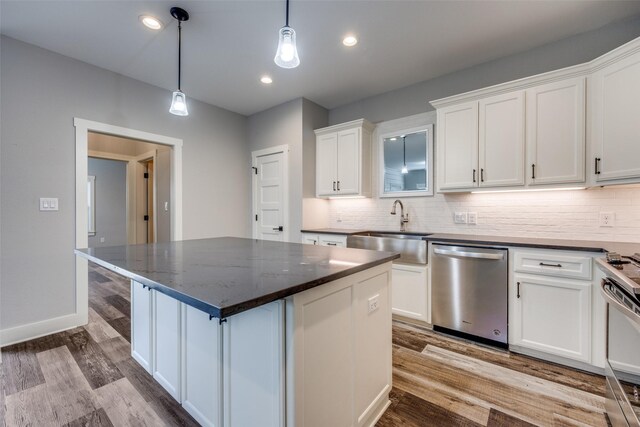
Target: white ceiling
x=228, y=45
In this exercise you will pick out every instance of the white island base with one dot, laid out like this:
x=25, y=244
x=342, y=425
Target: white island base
x=321, y=357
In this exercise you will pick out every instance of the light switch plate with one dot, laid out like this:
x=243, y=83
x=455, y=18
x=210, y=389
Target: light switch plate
x=48, y=204
x=460, y=217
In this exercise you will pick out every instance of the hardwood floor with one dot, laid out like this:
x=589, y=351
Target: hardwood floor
x=442, y=381
x=86, y=377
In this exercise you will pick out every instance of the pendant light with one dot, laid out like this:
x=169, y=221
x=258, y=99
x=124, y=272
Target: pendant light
x=287, y=53
x=404, y=156
x=179, y=100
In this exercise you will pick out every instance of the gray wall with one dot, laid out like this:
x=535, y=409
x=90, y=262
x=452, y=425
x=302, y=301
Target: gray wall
x=292, y=123
x=415, y=99
x=278, y=126
x=41, y=94
x=110, y=202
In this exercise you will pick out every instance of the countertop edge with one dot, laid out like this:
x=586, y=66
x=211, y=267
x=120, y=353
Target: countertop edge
x=337, y=231
x=222, y=313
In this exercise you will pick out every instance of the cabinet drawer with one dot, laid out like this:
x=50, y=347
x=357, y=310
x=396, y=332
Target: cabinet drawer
x=551, y=264
x=333, y=240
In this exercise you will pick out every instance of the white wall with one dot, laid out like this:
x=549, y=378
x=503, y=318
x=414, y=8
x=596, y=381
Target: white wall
x=110, y=202
x=41, y=94
x=551, y=214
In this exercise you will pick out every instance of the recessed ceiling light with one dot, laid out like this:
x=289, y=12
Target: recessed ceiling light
x=350, y=41
x=266, y=80
x=150, y=22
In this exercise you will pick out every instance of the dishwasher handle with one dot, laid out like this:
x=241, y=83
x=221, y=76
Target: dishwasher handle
x=465, y=254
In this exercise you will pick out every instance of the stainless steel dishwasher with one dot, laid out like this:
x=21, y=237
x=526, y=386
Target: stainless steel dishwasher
x=469, y=292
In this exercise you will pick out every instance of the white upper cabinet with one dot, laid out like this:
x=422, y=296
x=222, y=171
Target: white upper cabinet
x=501, y=140
x=615, y=127
x=343, y=159
x=580, y=126
x=556, y=132
x=327, y=164
x=457, y=146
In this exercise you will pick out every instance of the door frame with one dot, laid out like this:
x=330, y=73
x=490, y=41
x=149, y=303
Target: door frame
x=284, y=149
x=82, y=129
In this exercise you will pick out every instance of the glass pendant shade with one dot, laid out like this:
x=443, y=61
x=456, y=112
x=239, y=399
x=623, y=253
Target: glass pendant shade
x=404, y=169
x=179, y=104
x=287, y=54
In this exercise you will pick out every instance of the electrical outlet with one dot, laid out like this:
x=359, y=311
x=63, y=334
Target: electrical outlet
x=607, y=219
x=374, y=303
x=339, y=216
x=460, y=217
x=473, y=218
x=102, y=240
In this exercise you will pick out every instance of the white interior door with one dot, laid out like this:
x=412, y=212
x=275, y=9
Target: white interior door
x=269, y=196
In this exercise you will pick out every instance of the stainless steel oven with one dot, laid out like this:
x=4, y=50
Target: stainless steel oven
x=622, y=368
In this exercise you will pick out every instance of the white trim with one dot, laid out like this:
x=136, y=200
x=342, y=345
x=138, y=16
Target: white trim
x=365, y=124
x=38, y=329
x=549, y=77
x=284, y=149
x=83, y=127
x=409, y=124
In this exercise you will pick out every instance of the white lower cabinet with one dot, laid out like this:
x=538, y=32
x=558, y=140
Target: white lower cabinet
x=410, y=292
x=254, y=367
x=201, y=367
x=552, y=315
x=166, y=343
x=337, y=330
x=141, y=326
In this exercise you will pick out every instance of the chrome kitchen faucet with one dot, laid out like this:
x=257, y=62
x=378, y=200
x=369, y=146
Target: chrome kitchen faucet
x=404, y=219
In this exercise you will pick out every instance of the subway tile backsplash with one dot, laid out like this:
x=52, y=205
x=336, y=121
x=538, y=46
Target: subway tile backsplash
x=548, y=214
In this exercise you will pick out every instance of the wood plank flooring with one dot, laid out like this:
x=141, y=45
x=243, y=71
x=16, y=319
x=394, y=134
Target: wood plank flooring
x=442, y=381
x=86, y=377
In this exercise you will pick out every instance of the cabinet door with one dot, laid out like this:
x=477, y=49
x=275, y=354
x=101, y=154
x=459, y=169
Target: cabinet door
x=555, y=132
x=458, y=146
x=553, y=316
x=326, y=164
x=254, y=375
x=141, y=330
x=409, y=291
x=616, y=128
x=202, y=367
x=167, y=346
x=348, y=162
x=501, y=140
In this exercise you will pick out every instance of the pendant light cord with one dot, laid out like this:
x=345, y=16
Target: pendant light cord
x=179, y=54
x=287, y=14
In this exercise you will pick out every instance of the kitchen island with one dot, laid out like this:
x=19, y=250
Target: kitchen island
x=246, y=332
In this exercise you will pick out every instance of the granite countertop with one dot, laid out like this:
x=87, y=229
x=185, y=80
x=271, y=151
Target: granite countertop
x=340, y=231
x=227, y=275
x=532, y=242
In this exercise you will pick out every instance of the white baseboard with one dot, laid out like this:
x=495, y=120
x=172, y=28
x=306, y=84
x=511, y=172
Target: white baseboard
x=30, y=331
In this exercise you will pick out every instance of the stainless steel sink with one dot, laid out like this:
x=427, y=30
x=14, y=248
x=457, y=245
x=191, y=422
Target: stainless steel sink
x=411, y=246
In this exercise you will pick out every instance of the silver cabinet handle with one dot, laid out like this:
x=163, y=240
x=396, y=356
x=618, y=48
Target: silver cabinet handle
x=462, y=254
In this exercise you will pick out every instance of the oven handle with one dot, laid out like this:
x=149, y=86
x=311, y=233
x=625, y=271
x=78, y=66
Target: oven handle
x=635, y=318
